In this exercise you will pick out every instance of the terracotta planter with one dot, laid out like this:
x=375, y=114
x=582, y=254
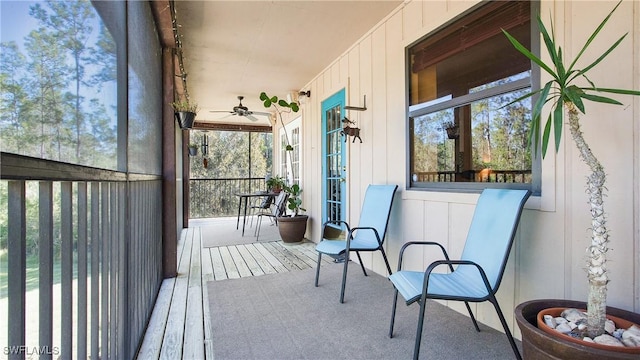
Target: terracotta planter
x=556, y=311
x=539, y=345
x=292, y=228
x=185, y=119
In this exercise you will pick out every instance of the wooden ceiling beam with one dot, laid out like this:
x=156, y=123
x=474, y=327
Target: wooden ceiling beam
x=161, y=10
x=202, y=125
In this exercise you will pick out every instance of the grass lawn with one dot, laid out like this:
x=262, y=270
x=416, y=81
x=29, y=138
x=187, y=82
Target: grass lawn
x=33, y=272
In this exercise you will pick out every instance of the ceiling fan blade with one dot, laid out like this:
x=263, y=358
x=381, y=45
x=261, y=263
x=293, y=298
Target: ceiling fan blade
x=221, y=111
x=251, y=117
x=261, y=113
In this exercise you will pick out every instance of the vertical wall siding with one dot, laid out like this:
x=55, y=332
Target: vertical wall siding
x=548, y=256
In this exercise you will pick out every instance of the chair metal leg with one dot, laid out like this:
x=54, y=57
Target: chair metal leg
x=258, y=224
x=507, y=331
x=393, y=312
x=361, y=264
x=318, y=268
x=416, y=348
x=386, y=262
x=344, y=277
x=475, y=323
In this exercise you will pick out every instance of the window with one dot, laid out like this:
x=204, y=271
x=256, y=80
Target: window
x=58, y=81
x=290, y=162
x=461, y=78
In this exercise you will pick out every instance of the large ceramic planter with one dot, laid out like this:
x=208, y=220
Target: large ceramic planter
x=185, y=119
x=292, y=228
x=538, y=345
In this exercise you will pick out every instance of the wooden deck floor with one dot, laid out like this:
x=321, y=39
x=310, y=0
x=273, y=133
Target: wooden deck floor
x=180, y=325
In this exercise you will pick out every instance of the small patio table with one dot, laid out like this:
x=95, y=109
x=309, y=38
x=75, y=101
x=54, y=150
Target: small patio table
x=244, y=197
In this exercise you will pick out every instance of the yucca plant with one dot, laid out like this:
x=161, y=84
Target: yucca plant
x=565, y=95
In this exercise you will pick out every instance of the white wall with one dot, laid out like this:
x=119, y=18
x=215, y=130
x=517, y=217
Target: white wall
x=548, y=259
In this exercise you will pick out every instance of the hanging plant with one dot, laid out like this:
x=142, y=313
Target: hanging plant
x=185, y=113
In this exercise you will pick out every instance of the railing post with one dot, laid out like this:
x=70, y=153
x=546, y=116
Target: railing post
x=17, y=265
x=122, y=237
x=105, y=240
x=45, y=250
x=82, y=271
x=66, y=271
x=95, y=270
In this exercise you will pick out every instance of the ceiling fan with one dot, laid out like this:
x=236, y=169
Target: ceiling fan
x=241, y=110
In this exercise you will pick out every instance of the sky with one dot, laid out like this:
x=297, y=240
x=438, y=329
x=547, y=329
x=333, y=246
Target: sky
x=15, y=21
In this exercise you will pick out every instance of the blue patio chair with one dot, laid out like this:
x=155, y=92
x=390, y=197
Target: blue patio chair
x=478, y=273
x=368, y=236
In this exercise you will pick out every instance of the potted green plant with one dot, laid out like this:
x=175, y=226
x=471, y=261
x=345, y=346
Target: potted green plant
x=275, y=184
x=293, y=227
x=185, y=113
x=565, y=95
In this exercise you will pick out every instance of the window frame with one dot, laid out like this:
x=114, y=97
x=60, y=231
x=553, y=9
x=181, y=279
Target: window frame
x=533, y=81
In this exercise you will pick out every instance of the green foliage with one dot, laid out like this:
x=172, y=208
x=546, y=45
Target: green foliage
x=228, y=161
x=276, y=182
x=274, y=101
x=184, y=106
x=563, y=94
x=562, y=90
x=278, y=104
x=294, y=200
x=498, y=136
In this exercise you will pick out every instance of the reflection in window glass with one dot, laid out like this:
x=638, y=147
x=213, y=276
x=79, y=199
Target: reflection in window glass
x=58, y=83
x=499, y=140
x=462, y=81
x=144, y=107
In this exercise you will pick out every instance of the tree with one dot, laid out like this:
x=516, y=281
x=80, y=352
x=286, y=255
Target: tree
x=13, y=97
x=47, y=69
x=68, y=22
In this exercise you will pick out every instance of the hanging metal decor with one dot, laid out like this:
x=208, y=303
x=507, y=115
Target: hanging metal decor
x=205, y=145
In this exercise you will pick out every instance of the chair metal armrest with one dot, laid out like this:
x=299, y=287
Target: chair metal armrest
x=437, y=263
x=336, y=222
x=410, y=243
x=375, y=232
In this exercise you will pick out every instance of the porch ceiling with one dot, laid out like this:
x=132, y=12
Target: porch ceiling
x=233, y=48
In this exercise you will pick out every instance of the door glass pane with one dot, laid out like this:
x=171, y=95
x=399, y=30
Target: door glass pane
x=333, y=163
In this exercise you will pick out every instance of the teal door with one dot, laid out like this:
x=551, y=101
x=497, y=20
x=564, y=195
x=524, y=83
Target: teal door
x=333, y=166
